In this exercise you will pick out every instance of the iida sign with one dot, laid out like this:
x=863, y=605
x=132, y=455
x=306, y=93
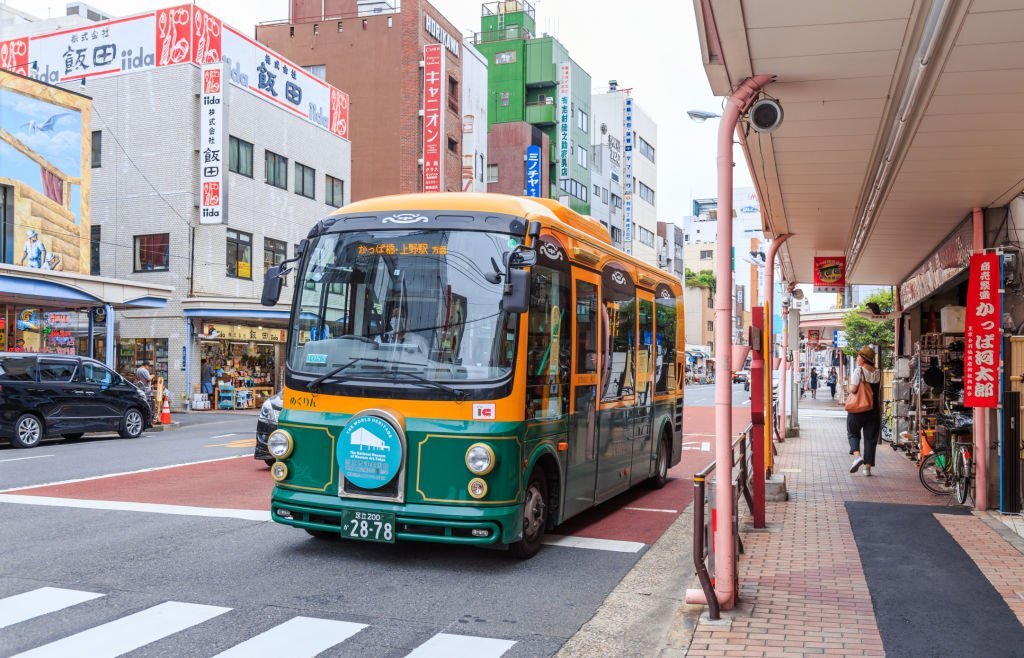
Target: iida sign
x=177, y=35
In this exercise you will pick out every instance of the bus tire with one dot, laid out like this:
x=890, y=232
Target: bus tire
x=535, y=516
x=661, y=466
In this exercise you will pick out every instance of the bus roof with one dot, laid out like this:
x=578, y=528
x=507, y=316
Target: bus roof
x=549, y=212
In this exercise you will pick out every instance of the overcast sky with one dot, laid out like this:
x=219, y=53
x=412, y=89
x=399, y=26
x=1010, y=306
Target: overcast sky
x=653, y=50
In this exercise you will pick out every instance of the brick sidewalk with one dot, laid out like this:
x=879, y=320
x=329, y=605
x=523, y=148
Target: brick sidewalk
x=802, y=584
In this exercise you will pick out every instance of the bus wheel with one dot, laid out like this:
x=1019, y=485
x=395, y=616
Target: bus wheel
x=661, y=469
x=535, y=516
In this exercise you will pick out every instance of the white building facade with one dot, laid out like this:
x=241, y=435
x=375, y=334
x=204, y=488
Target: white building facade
x=618, y=110
x=282, y=163
x=606, y=178
x=474, y=119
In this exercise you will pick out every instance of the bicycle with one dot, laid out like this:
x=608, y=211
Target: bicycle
x=949, y=471
x=888, y=435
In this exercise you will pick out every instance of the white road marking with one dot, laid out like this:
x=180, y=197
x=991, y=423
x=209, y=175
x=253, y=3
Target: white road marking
x=222, y=436
x=298, y=637
x=153, y=508
x=129, y=633
x=16, y=609
x=706, y=446
x=18, y=459
x=114, y=475
x=614, y=545
x=446, y=645
x=651, y=509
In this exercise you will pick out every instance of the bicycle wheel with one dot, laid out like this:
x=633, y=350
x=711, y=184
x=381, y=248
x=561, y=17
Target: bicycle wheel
x=935, y=473
x=961, y=477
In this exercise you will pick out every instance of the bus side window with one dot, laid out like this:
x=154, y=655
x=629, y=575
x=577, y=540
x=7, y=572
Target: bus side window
x=665, y=341
x=548, y=344
x=586, y=328
x=619, y=333
x=645, y=355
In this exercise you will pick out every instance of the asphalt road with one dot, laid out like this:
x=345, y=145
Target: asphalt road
x=82, y=580
x=703, y=395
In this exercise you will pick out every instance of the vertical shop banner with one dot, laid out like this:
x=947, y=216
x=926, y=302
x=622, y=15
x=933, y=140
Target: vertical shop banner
x=533, y=175
x=433, y=118
x=627, y=174
x=982, y=340
x=564, y=120
x=829, y=273
x=212, y=154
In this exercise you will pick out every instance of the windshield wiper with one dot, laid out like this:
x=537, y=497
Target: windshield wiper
x=336, y=371
x=393, y=370
x=459, y=394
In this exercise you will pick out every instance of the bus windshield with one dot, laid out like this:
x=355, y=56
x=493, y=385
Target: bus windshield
x=420, y=303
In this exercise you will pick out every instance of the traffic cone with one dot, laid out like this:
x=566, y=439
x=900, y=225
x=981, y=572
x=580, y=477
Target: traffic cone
x=165, y=413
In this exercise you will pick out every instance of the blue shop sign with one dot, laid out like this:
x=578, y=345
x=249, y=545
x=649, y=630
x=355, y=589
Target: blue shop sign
x=533, y=176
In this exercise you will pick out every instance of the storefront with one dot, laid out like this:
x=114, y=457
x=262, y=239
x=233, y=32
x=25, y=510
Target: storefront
x=244, y=344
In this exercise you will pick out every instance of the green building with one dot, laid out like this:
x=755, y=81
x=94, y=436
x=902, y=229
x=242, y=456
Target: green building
x=525, y=86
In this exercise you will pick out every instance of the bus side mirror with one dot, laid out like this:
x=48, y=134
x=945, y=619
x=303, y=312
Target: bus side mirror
x=272, y=283
x=517, y=292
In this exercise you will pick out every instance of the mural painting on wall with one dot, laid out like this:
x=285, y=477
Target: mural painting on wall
x=45, y=173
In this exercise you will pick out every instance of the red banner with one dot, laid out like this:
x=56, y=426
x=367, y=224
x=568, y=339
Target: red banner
x=829, y=273
x=433, y=118
x=982, y=339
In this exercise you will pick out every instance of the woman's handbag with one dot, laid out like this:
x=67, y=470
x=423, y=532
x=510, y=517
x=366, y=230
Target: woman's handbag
x=863, y=400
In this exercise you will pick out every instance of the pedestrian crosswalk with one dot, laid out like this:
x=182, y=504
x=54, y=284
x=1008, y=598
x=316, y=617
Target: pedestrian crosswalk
x=297, y=637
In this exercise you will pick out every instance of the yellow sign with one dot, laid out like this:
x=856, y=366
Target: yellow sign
x=244, y=270
x=243, y=333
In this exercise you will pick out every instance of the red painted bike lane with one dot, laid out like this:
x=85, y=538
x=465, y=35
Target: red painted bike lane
x=639, y=515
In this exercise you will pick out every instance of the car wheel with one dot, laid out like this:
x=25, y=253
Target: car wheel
x=73, y=436
x=269, y=462
x=535, y=516
x=131, y=424
x=28, y=431
x=661, y=469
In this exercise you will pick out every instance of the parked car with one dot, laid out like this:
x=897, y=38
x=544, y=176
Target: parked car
x=740, y=376
x=47, y=395
x=266, y=424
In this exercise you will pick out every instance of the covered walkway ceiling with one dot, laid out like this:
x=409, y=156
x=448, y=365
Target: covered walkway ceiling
x=900, y=117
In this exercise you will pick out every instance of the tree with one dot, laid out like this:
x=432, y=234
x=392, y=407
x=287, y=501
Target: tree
x=702, y=279
x=861, y=330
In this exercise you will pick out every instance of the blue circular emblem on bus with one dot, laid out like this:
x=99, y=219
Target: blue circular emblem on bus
x=369, y=452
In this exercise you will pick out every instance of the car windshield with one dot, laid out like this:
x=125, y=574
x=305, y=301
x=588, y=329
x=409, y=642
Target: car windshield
x=404, y=304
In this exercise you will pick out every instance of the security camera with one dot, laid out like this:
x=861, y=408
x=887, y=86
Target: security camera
x=765, y=115
x=798, y=294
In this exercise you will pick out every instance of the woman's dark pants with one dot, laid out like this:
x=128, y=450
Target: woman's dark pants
x=869, y=424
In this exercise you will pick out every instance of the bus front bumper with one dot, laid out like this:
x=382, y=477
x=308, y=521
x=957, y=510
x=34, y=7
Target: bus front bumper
x=449, y=524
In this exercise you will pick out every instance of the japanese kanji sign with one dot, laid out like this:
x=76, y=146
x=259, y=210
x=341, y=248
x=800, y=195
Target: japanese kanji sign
x=627, y=173
x=533, y=173
x=982, y=339
x=212, y=155
x=433, y=118
x=564, y=119
x=829, y=273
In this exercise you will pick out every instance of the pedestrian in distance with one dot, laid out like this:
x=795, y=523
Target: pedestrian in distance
x=814, y=383
x=142, y=375
x=864, y=419
x=832, y=380
x=206, y=377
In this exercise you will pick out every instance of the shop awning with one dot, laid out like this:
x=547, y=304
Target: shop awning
x=21, y=285
x=234, y=308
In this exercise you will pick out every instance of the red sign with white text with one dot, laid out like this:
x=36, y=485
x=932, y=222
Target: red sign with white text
x=433, y=118
x=829, y=273
x=982, y=335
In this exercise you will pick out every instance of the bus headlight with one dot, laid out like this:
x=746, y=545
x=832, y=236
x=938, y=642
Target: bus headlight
x=480, y=459
x=477, y=488
x=279, y=471
x=280, y=444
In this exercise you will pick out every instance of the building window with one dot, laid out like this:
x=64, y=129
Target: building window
x=274, y=251
x=152, y=252
x=507, y=57
x=504, y=98
x=97, y=148
x=276, y=170
x=646, y=149
x=366, y=23
x=453, y=94
x=334, y=191
x=305, y=181
x=711, y=300
x=583, y=121
x=646, y=237
x=390, y=21
x=341, y=26
x=316, y=29
x=492, y=173
x=240, y=156
x=616, y=200
x=646, y=193
x=480, y=169
x=711, y=325
x=597, y=190
x=616, y=235
x=707, y=254
x=453, y=145
x=604, y=195
x=581, y=157
x=239, y=254
x=317, y=70
x=94, y=249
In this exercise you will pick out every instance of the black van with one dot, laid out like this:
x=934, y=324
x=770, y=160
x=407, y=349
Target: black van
x=45, y=395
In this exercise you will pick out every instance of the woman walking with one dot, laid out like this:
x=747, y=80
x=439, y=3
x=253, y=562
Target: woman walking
x=869, y=422
x=831, y=381
x=814, y=383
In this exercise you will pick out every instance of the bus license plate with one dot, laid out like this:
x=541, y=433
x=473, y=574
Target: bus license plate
x=368, y=526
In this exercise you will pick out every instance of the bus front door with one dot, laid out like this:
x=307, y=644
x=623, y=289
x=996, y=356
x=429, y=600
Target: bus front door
x=581, y=465
x=642, y=466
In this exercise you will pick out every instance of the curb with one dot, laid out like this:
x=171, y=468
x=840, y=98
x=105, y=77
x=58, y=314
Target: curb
x=646, y=615
x=163, y=428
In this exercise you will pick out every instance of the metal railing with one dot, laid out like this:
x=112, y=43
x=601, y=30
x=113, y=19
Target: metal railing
x=741, y=458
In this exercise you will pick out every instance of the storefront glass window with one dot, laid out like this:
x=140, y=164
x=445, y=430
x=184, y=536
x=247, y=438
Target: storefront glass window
x=239, y=254
x=133, y=352
x=152, y=252
x=39, y=330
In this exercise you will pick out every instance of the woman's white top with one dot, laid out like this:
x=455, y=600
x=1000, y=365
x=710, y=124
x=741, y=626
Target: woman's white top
x=870, y=376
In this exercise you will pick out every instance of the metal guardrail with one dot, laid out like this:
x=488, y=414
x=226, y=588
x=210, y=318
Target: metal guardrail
x=741, y=458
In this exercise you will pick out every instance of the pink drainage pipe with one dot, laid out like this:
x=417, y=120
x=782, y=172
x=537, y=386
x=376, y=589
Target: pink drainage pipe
x=769, y=287
x=726, y=583
x=981, y=416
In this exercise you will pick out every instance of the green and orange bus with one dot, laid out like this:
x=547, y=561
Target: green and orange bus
x=471, y=369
